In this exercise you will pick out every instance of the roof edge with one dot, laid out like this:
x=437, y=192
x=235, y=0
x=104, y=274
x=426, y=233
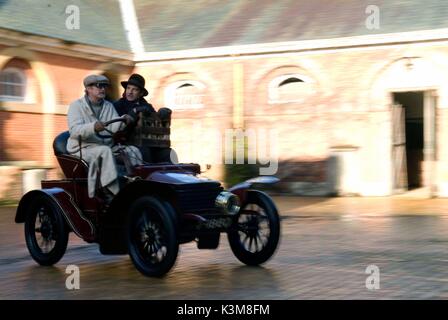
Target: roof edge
x=10, y=37
x=294, y=46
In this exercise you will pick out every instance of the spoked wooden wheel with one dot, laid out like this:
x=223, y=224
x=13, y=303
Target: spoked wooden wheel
x=256, y=230
x=152, y=238
x=46, y=234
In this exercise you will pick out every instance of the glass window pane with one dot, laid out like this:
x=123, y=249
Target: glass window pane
x=12, y=84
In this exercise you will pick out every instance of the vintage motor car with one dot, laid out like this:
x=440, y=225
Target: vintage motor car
x=159, y=207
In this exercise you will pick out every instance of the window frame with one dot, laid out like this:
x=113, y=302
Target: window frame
x=171, y=95
x=22, y=75
x=274, y=85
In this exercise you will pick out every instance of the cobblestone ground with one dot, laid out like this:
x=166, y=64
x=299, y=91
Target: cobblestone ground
x=325, y=248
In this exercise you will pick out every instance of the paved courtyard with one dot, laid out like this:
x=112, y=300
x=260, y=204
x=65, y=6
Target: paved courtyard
x=326, y=246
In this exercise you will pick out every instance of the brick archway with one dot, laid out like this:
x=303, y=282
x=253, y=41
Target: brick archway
x=47, y=91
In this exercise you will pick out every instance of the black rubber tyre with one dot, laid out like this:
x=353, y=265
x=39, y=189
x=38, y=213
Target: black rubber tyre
x=256, y=229
x=151, y=236
x=46, y=232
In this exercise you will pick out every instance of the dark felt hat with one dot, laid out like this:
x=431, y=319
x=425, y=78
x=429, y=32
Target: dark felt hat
x=136, y=80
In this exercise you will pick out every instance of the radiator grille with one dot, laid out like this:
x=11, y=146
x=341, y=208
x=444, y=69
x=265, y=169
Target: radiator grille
x=197, y=197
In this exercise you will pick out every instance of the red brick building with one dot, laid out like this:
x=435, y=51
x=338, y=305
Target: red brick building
x=356, y=93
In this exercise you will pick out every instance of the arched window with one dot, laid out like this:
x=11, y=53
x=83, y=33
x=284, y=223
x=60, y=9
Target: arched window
x=12, y=85
x=289, y=88
x=185, y=95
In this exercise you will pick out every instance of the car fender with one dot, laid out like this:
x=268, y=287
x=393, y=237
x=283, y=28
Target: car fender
x=241, y=188
x=80, y=225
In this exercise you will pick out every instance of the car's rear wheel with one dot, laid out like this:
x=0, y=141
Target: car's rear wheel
x=46, y=233
x=255, y=234
x=151, y=236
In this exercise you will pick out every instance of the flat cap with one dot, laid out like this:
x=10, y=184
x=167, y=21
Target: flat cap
x=93, y=79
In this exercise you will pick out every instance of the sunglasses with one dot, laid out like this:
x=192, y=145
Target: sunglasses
x=101, y=85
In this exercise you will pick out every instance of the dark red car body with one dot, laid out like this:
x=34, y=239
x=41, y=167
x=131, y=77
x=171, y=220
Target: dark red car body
x=190, y=197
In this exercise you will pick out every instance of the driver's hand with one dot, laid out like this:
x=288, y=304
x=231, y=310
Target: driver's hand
x=99, y=126
x=128, y=118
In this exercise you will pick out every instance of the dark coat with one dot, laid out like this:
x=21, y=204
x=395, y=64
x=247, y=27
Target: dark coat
x=123, y=106
x=133, y=134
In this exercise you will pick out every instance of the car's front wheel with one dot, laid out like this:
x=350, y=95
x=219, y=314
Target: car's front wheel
x=151, y=236
x=46, y=233
x=256, y=230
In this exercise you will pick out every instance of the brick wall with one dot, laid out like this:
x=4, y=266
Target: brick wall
x=342, y=108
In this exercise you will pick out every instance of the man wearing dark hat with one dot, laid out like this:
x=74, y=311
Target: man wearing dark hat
x=135, y=105
x=86, y=117
x=133, y=102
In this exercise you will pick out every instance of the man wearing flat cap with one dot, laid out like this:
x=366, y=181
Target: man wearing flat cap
x=135, y=105
x=86, y=117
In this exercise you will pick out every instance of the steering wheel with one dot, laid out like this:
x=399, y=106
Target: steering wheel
x=105, y=136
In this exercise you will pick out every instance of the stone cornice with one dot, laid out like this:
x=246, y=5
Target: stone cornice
x=62, y=47
x=333, y=44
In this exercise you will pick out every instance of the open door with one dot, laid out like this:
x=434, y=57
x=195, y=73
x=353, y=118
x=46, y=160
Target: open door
x=400, y=178
x=429, y=153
